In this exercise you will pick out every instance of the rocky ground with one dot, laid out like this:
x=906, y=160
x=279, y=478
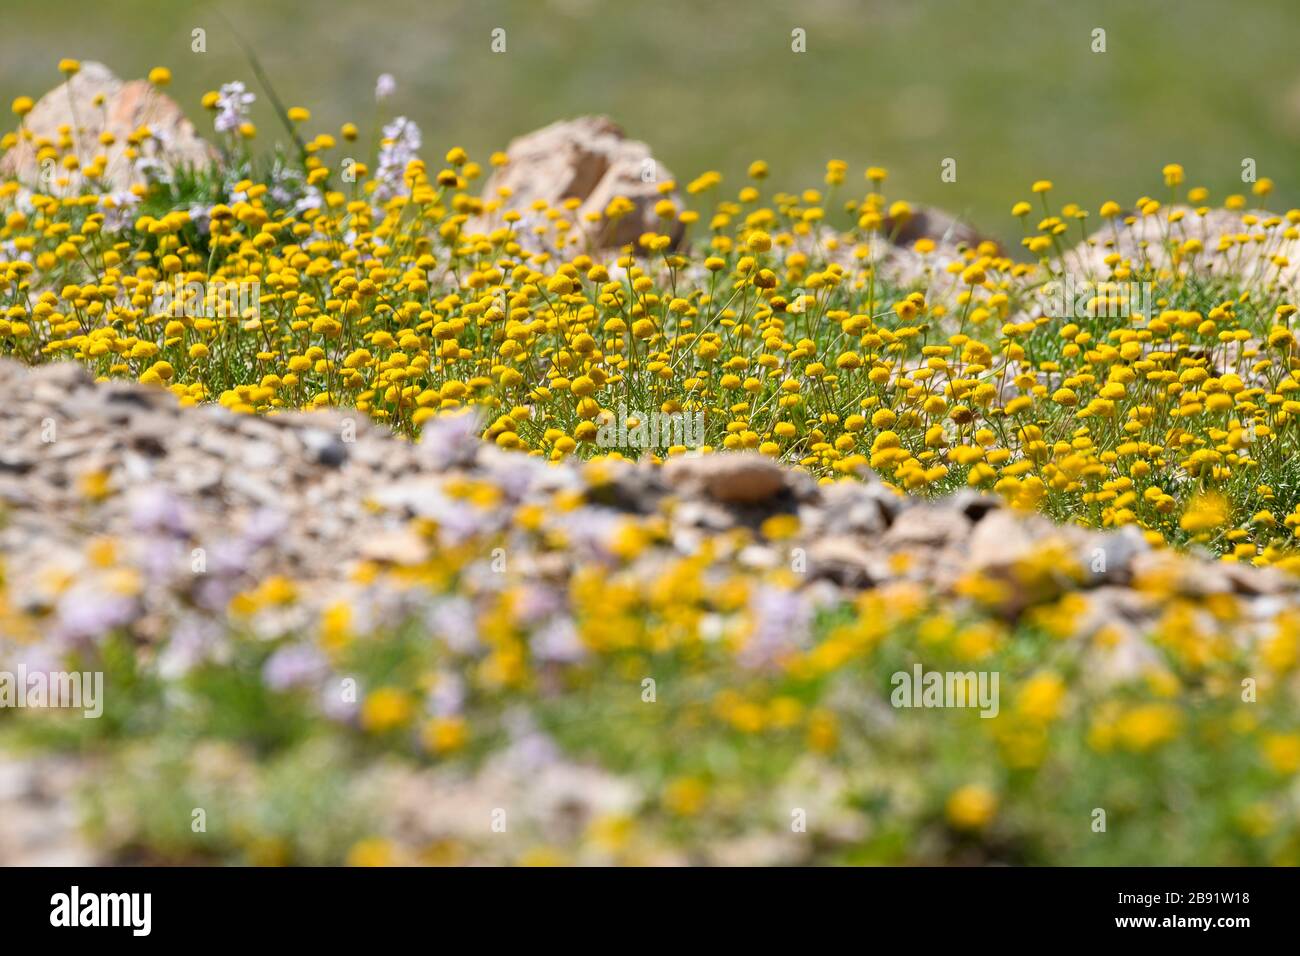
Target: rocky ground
x=309, y=495
x=195, y=533
x=123, y=510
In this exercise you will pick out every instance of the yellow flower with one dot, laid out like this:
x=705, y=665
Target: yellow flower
x=543, y=856
x=160, y=76
x=1282, y=751
x=823, y=731
x=1147, y=726
x=780, y=527
x=95, y=485
x=971, y=807
x=1041, y=697
x=445, y=734
x=385, y=709
x=685, y=796
x=1206, y=512
x=373, y=851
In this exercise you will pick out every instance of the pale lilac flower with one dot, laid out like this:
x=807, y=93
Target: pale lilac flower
x=154, y=508
x=530, y=749
x=34, y=658
x=233, y=101
x=311, y=199
x=229, y=559
x=447, y=698
x=214, y=593
x=516, y=478
x=120, y=214
x=557, y=640
x=400, y=145
x=455, y=622
x=385, y=87
x=201, y=216
x=264, y=526
x=782, y=621
x=86, y=613
x=335, y=705
x=294, y=666
x=537, y=601
x=164, y=558
x=590, y=531
x=193, y=641
x=451, y=439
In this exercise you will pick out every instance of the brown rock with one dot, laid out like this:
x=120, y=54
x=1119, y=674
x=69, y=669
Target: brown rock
x=93, y=102
x=843, y=560
x=926, y=222
x=744, y=478
x=587, y=159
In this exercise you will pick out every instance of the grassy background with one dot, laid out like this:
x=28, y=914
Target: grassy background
x=1011, y=89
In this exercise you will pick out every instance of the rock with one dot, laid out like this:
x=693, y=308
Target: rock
x=975, y=505
x=1000, y=540
x=844, y=561
x=854, y=507
x=927, y=527
x=402, y=547
x=927, y=222
x=38, y=812
x=94, y=102
x=743, y=478
x=587, y=159
x=1141, y=240
x=1109, y=557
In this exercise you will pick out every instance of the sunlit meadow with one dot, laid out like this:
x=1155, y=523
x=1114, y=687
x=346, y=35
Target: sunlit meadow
x=305, y=270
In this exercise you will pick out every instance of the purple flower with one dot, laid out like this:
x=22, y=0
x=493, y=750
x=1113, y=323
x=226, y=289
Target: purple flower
x=455, y=622
x=86, y=613
x=781, y=624
x=447, y=698
x=400, y=145
x=233, y=101
x=516, y=477
x=154, y=508
x=228, y=559
x=193, y=640
x=340, y=703
x=385, y=87
x=164, y=559
x=448, y=440
x=557, y=640
x=537, y=601
x=530, y=749
x=264, y=527
x=293, y=666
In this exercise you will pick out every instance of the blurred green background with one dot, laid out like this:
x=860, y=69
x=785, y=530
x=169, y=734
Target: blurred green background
x=1010, y=89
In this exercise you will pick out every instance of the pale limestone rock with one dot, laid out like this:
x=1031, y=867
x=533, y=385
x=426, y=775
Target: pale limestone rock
x=587, y=159
x=93, y=102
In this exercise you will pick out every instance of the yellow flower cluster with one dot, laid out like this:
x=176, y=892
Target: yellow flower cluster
x=778, y=331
